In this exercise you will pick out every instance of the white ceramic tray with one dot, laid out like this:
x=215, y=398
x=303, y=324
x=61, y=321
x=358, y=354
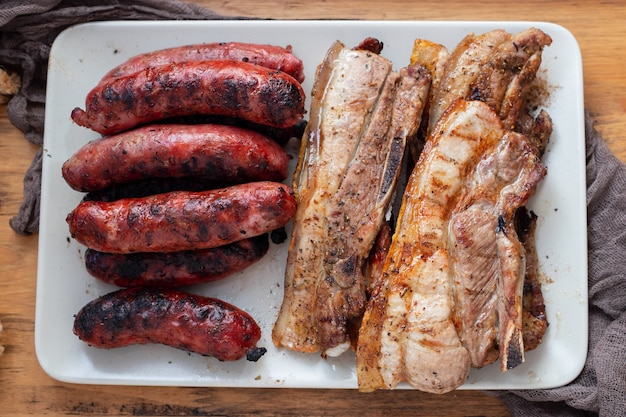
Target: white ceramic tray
x=83, y=54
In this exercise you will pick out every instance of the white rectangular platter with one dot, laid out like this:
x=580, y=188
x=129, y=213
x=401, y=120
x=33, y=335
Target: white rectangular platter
x=81, y=55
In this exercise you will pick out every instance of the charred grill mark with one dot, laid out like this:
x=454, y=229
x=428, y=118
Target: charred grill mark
x=193, y=88
x=155, y=209
x=477, y=93
x=203, y=231
x=189, y=166
x=349, y=266
x=168, y=82
x=232, y=94
x=109, y=94
x=128, y=97
x=279, y=96
x=134, y=215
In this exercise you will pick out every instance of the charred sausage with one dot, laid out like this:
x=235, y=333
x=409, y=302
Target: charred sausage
x=202, y=325
x=210, y=152
x=149, y=186
x=175, y=269
x=227, y=88
x=182, y=220
x=270, y=56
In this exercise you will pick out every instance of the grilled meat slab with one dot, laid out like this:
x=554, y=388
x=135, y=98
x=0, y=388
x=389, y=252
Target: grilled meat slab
x=495, y=67
x=452, y=280
x=534, y=320
x=485, y=267
x=407, y=333
x=361, y=115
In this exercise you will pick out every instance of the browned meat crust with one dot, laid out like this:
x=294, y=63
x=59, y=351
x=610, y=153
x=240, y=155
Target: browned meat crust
x=227, y=88
x=175, y=269
x=182, y=220
x=202, y=325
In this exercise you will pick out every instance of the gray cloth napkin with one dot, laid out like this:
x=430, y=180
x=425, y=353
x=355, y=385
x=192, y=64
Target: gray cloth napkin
x=601, y=387
x=27, y=31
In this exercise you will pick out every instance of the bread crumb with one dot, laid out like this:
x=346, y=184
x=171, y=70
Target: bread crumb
x=9, y=85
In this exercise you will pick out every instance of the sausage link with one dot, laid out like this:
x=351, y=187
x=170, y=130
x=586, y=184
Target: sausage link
x=182, y=220
x=175, y=269
x=150, y=186
x=227, y=88
x=279, y=135
x=202, y=325
x=269, y=56
x=209, y=152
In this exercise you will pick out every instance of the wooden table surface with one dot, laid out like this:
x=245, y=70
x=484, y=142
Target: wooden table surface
x=600, y=28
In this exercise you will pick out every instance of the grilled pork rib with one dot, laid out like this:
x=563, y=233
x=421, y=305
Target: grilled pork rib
x=450, y=295
x=451, y=285
x=502, y=181
x=407, y=333
x=495, y=67
x=361, y=115
x=534, y=319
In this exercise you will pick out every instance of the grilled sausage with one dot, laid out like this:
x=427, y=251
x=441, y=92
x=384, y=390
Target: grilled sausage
x=227, y=88
x=149, y=186
x=279, y=135
x=270, y=56
x=202, y=325
x=210, y=152
x=175, y=269
x=181, y=220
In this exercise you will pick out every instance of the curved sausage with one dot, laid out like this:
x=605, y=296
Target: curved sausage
x=181, y=220
x=227, y=88
x=270, y=56
x=210, y=152
x=202, y=325
x=175, y=269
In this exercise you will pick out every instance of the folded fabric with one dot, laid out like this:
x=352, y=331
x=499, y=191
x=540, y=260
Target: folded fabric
x=601, y=387
x=27, y=31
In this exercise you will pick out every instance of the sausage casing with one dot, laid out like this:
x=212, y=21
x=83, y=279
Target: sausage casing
x=227, y=88
x=149, y=186
x=194, y=323
x=210, y=152
x=270, y=56
x=175, y=269
x=182, y=220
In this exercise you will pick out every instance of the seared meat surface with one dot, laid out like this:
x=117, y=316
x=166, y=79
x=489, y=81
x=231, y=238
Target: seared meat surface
x=361, y=115
x=456, y=289
x=408, y=333
x=495, y=67
x=451, y=292
x=503, y=181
